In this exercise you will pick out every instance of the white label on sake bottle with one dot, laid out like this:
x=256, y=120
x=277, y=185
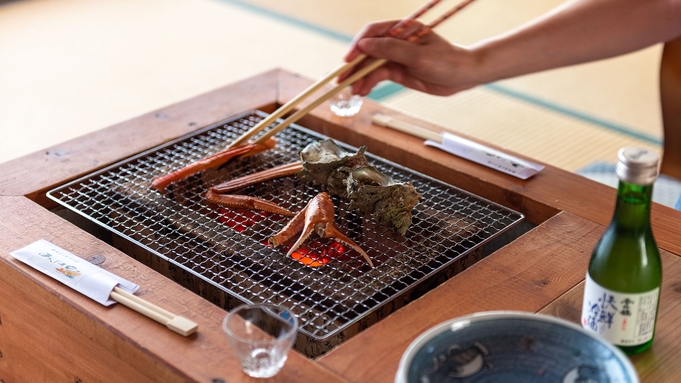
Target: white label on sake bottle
x=624, y=319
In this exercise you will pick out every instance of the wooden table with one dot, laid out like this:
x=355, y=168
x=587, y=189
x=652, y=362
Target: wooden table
x=51, y=333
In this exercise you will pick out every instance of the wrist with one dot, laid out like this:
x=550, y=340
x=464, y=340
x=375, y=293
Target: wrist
x=487, y=65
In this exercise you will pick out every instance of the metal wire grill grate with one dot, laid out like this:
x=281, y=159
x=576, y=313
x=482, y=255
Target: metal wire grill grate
x=228, y=249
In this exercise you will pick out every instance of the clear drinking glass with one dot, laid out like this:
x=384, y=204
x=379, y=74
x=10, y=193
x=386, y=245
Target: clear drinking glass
x=261, y=335
x=346, y=104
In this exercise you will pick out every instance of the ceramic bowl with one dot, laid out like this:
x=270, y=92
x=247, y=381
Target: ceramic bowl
x=509, y=347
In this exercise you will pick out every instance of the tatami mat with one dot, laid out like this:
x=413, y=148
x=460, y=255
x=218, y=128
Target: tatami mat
x=72, y=66
x=622, y=90
x=555, y=138
x=69, y=67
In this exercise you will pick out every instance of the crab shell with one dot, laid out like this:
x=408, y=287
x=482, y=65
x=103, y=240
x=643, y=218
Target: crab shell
x=326, y=163
x=389, y=202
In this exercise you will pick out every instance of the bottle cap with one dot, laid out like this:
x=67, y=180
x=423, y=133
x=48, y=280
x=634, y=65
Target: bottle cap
x=637, y=165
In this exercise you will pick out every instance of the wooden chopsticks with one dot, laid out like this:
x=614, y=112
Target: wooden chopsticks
x=176, y=323
x=395, y=31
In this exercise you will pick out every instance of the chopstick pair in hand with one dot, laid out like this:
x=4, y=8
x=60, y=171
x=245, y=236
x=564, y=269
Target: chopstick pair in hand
x=395, y=31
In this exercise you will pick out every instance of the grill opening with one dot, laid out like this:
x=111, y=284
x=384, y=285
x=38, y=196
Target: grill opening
x=222, y=255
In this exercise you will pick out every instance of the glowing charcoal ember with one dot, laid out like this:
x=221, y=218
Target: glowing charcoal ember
x=318, y=254
x=240, y=219
x=312, y=258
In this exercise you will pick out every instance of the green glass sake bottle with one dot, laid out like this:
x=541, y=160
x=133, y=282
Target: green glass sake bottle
x=622, y=288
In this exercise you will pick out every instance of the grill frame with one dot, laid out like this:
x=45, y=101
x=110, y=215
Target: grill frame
x=371, y=312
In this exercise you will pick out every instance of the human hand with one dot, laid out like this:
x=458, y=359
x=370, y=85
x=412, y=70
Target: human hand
x=431, y=65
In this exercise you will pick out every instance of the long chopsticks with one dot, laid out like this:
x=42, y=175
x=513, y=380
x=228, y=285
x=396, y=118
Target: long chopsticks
x=176, y=323
x=393, y=32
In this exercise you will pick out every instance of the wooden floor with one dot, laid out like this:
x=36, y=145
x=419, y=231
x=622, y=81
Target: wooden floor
x=69, y=67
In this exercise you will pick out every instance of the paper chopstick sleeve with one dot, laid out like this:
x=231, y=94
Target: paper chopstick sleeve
x=486, y=156
x=75, y=272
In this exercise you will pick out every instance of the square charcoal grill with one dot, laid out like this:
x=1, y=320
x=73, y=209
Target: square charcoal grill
x=222, y=253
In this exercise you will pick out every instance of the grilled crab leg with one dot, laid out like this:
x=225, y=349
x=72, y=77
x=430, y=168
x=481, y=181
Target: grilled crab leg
x=259, y=177
x=317, y=216
x=217, y=159
x=216, y=194
x=246, y=202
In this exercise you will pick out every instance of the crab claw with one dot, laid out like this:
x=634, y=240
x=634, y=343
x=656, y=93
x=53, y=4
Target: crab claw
x=317, y=216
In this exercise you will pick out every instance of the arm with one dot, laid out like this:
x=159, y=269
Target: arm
x=670, y=97
x=576, y=32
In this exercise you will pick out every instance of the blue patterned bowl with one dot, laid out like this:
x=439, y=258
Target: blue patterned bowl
x=508, y=347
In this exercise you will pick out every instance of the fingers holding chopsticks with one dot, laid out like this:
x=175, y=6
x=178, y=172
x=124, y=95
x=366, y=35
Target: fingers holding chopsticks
x=388, y=29
x=358, y=66
x=425, y=62
x=392, y=30
x=431, y=64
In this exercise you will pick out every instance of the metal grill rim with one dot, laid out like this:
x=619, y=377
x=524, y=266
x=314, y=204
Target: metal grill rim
x=322, y=314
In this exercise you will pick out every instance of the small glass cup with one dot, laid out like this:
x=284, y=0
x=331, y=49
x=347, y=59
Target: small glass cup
x=346, y=104
x=261, y=335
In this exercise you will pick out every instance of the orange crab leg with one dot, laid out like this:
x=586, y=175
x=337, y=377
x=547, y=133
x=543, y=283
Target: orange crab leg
x=246, y=202
x=317, y=216
x=293, y=227
x=217, y=159
x=256, y=178
x=332, y=232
